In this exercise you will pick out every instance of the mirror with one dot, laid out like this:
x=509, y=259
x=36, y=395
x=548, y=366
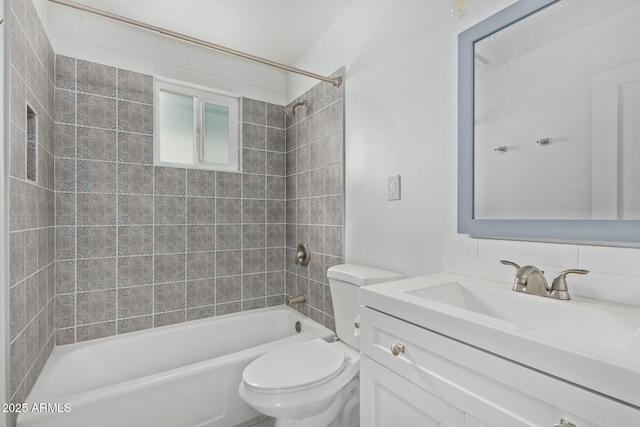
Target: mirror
x=549, y=135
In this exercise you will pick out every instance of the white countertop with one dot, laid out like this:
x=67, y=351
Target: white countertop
x=603, y=356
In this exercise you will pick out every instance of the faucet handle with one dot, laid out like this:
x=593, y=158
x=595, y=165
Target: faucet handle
x=518, y=287
x=559, y=288
x=512, y=264
x=303, y=254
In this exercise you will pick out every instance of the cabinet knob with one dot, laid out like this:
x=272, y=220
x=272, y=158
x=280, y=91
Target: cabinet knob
x=396, y=349
x=564, y=423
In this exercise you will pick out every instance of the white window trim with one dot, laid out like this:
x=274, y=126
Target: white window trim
x=201, y=96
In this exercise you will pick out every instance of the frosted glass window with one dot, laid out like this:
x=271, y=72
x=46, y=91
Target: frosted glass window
x=176, y=128
x=195, y=127
x=216, y=134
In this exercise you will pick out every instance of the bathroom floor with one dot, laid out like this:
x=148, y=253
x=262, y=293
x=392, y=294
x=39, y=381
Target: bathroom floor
x=261, y=421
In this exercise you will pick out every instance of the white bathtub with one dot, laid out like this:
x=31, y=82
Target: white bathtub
x=181, y=375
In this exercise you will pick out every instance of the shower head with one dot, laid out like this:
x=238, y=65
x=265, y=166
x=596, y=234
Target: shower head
x=291, y=109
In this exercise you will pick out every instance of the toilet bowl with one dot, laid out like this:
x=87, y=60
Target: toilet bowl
x=303, y=384
x=316, y=383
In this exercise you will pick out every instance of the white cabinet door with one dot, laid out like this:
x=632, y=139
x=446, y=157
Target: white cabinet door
x=389, y=400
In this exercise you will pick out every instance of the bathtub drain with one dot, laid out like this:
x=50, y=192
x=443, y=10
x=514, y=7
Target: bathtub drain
x=298, y=326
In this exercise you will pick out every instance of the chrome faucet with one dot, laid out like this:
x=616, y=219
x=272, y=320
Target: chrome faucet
x=531, y=280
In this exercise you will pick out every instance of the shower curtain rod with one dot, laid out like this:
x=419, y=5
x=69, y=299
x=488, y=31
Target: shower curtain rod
x=336, y=81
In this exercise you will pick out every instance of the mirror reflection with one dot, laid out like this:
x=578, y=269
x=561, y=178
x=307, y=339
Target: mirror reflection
x=557, y=114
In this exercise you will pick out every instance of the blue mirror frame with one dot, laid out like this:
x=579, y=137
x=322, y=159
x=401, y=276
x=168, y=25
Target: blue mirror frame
x=597, y=231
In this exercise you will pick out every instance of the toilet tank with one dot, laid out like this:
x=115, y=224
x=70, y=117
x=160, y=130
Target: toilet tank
x=345, y=281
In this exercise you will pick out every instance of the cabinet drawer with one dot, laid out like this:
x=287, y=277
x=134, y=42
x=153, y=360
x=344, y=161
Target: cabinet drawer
x=493, y=390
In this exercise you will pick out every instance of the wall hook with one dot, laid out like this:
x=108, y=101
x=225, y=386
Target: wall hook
x=501, y=149
x=544, y=141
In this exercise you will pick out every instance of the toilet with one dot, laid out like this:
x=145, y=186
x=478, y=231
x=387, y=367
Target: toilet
x=315, y=383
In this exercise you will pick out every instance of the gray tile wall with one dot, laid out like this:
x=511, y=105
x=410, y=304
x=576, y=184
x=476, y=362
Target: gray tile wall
x=31, y=216
x=106, y=243
x=315, y=189
x=139, y=246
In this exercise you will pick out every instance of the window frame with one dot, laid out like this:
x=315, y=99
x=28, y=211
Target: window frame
x=201, y=96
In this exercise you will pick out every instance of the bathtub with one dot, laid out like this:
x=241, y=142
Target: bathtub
x=181, y=375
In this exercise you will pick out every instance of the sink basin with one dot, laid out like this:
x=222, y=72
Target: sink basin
x=605, y=325
x=591, y=343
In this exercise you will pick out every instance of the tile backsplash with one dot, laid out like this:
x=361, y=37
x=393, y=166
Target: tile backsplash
x=612, y=273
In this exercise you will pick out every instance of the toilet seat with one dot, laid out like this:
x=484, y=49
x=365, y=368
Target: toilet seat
x=295, y=367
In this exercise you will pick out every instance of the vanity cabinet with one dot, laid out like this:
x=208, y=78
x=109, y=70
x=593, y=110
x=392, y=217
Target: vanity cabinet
x=395, y=401
x=434, y=380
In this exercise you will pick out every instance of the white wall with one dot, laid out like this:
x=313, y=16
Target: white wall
x=92, y=38
x=401, y=119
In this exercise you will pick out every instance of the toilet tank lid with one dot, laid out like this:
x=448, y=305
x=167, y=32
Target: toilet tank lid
x=361, y=275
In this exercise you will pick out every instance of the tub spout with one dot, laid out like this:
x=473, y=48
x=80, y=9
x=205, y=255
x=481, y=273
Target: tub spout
x=300, y=299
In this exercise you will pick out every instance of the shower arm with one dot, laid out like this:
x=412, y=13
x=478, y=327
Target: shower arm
x=336, y=81
x=291, y=110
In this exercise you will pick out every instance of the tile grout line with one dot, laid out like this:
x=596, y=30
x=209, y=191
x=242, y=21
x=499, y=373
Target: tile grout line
x=186, y=238
x=215, y=253
x=75, y=190
x=266, y=209
x=153, y=247
x=242, y=205
x=117, y=197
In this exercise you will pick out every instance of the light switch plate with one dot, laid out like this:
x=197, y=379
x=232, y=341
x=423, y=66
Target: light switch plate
x=393, y=188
